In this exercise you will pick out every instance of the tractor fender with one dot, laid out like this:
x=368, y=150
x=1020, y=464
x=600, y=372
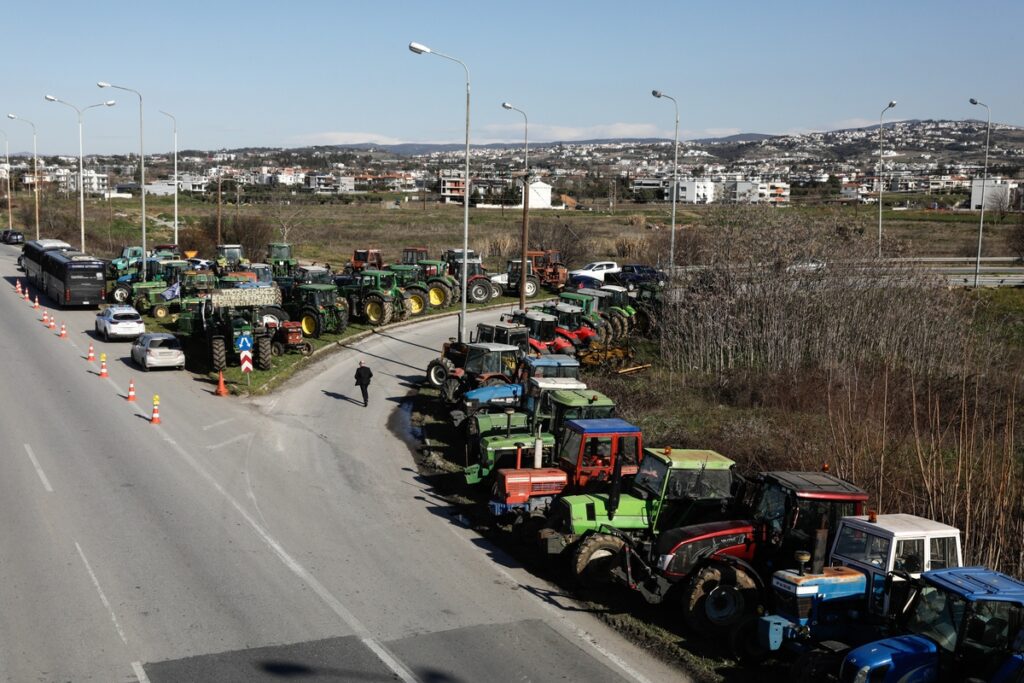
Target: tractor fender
x=731, y=561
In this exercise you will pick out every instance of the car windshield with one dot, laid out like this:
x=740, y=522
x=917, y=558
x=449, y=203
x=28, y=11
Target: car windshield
x=936, y=615
x=589, y=266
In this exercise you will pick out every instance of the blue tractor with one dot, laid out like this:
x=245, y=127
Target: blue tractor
x=962, y=624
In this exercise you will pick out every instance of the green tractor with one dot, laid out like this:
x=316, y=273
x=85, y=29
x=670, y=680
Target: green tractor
x=442, y=288
x=373, y=296
x=410, y=281
x=649, y=303
x=215, y=336
x=318, y=309
x=607, y=305
x=590, y=315
x=279, y=256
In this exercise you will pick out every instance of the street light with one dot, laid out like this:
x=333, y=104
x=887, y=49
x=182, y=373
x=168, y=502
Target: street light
x=892, y=103
x=35, y=167
x=7, y=160
x=526, y=203
x=174, y=123
x=675, y=185
x=142, y=170
x=984, y=182
x=421, y=49
x=81, y=165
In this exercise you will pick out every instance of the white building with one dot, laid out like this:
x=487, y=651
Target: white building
x=999, y=193
x=453, y=186
x=696, y=191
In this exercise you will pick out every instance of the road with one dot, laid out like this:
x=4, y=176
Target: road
x=249, y=540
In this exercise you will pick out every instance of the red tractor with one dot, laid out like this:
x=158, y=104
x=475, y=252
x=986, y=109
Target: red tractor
x=571, y=324
x=549, y=268
x=287, y=336
x=543, y=331
x=478, y=283
x=364, y=259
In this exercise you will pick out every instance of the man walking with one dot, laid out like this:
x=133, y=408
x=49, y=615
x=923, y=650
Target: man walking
x=363, y=376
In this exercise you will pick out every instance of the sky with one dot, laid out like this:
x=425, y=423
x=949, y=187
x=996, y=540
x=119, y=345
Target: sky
x=275, y=74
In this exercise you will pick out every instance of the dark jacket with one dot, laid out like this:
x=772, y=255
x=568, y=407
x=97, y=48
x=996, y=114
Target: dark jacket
x=363, y=375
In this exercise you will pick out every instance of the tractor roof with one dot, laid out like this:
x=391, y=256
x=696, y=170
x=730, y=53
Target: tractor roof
x=594, y=292
x=493, y=347
x=568, y=308
x=503, y=324
x=613, y=288
x=586, y=397
x=977, y=583
x=691, y=458
x=901, y=525
x=551, y=360
x=604, y=425
x=821, y=485
x=557, y=383
x=537, y=315
x=372, y=271
x=310, y=269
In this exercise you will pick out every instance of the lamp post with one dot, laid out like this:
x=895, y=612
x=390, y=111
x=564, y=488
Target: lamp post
x=675, y=185
x=420, y=50
x=174, y=123
x=7, y=161
x=35, y=167
x=892, y=103
x=142, y=170
x=81, y=163
x=526, y=203
x=984, y=182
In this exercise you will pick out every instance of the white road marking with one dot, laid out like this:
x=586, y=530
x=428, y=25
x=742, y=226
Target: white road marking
x=39, y=469
x=576, y=630
x=301, y=572
x=103, y=597
x=218, y=424
x=230, y=441
x=140, y=673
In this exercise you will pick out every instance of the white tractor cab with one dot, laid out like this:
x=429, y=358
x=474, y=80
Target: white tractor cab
x=849, y=598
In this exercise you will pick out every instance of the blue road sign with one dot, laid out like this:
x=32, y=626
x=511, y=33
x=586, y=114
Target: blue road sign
x=245, y=343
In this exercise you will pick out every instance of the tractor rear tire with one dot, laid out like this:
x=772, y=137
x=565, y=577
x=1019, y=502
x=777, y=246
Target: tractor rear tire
x=272, y=314
x=594, y=558
x=532, y=286
x=451, y=390
x=439, y=370
x=263, y=353
x=376, y=311
x=717, y=598
x=161, y=312
x=122, y=294
x=417, y=300
x=620, y=324
x=312, y=324
x=342, y=324
x=277, y=348
x=218, y=354
x=478, y=292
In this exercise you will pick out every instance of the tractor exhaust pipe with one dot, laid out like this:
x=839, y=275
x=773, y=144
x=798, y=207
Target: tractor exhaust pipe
x=538, y=453
x=818, y=559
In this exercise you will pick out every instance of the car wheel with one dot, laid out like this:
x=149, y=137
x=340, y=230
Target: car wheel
x=106, y=335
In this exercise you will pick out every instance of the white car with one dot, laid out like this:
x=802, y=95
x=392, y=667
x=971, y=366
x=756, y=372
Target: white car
x=119, y=322
x=597, y=269
x=158, y=350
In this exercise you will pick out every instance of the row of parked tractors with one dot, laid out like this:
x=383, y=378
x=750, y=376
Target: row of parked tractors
x=783, y=564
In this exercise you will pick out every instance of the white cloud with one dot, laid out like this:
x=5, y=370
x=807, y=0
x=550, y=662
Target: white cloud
x=342, y=138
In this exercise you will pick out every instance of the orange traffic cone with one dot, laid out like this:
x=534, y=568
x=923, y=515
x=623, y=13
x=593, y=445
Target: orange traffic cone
x=156, y=411
x=27, y=300
x=53, y=322
x=131, y=390
x=222, y=390
x=17, y=287
x=103, y=365
x=92, y=354
x=36, y=304
x=63, y=331
x=46, y=318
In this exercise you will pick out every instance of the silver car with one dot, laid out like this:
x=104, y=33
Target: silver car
x=158, y=350
x=119, y=322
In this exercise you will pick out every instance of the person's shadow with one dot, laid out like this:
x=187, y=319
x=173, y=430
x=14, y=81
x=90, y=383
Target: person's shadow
x=343, y=397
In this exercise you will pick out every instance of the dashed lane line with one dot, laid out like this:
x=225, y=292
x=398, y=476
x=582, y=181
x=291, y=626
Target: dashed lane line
x=39, y=469
x=103, y=596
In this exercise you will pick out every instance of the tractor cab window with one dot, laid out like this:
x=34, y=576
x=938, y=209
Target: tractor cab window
x=910, y=555
x=943, y=553
x=650, y=478
x=771, y=508
x=936, y=615
x=629, y=450
x=699, y=484
x=990, y=629
x=597, y=451
x=861, y=546
x=545, y=329
x=280, y=252
x=570, y=450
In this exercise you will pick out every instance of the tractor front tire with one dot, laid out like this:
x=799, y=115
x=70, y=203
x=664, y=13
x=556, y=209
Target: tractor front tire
x=438, y=371
x=218, y=354
x=620, y=324
x=306, y=349
x=263, y=353
x=161, y=312
x=594, y=558
x=532, y=286
x=439, y=295
x=479, y=292
x=376, y=311
x=717, y=598
x=312, y=325
x=417, y=300
x=406, y=310
x=277, y=348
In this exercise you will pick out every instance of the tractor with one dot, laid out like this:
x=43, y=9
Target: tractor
x=507, y=283
x=674, y=487
x=442, y=288
x=850, y=596
x=570, y=323
x=463, y=367
x=478, y=284
x=961, y=624
x=497, y=398
x=548, y=266
x=649, y=303
x=503, y=332
x=590, y=316
x=287, y=336
x=608, y=305
x=544, y=333
x=364, y=259
x=216, y=333
x=279, y=256
x=229, y=258
x=373, y=296
x=410, y=280
x=317, y=308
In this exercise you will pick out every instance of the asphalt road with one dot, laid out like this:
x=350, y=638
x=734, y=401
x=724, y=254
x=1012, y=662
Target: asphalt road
x=283, y=537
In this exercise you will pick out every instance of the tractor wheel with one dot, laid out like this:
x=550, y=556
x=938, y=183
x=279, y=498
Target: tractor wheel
x=620, y=323
x=451, y=390
x=417, y=300
x=532, y=286
x=717, y=598
x=306, y=349
x=312, y=325
x=496, y=290
x=277, y=348
x=263, y=353
x=478, y=291
x=376, y=311
x=342, y=319
x=161, y=312
x=218, y=354
x=602, y=332
x=438, y=296
x=405, y=311
x=272, y=314
x=438, y=371
x=594, y=558
x=121, y=294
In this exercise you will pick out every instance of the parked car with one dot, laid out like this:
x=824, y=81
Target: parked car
x=158, y=350
x=597, y=269
x=583, y=282
x=12, y=237
x=119, y=322
x=633, y=275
